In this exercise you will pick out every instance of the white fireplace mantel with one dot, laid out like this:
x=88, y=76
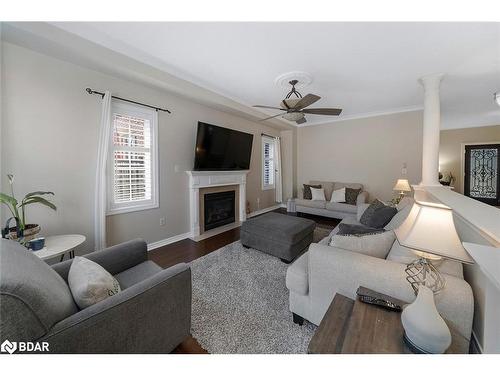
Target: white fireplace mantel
x=203, y=179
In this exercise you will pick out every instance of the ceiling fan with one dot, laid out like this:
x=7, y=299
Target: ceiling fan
x=295, y=108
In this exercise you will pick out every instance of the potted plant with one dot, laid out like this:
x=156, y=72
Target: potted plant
x=18, y=210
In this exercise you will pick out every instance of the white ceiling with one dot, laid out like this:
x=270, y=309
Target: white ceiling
x=364, y=68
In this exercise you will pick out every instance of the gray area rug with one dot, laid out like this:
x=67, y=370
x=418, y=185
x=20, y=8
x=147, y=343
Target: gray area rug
x=240, y=304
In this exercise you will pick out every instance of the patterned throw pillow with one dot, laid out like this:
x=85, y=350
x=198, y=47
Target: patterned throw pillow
x=351, y=195
x=370, y=211
x=90, y=283
x=307, y=190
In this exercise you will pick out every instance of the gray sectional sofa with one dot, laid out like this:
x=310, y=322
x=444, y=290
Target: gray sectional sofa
x=327, y=208
x=316, y=276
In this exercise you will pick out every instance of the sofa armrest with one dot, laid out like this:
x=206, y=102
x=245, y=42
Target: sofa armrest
x=152, y=316
x=362, y=198
x=114, y=259
x=333, y=270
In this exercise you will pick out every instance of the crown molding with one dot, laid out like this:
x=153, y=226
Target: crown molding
x=366, y=115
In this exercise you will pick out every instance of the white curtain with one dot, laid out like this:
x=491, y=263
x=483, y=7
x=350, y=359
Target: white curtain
x=278, y=181
x=100, y=177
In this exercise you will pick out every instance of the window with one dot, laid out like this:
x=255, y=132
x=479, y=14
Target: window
x=267, y=163
x=132, y=162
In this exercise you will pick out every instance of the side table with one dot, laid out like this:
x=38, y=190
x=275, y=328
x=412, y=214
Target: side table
x=60, y=245
x=355, y=327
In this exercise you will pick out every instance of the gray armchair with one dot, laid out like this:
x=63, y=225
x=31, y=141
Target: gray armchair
x=152, y=313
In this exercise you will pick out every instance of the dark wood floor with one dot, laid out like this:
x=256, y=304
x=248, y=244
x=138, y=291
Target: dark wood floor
x=187, y=250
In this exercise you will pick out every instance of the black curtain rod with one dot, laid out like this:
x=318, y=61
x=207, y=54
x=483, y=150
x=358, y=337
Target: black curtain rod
x=90, y=91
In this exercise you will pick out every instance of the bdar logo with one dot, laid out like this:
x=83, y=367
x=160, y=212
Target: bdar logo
x=9, y=347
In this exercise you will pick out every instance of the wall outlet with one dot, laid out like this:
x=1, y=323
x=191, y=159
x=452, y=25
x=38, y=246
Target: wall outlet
x=162, y=221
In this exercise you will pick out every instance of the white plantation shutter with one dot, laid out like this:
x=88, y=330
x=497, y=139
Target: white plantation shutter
x=132, y=163
x=268, y=161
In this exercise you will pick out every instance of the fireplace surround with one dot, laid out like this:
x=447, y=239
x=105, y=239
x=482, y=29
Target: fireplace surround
x=206, y=182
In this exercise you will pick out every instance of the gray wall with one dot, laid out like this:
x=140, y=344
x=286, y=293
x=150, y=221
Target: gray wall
x=49, y=142
x=370, y=151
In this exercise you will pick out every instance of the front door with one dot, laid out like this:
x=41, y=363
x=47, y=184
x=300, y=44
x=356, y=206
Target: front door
x=482, y=177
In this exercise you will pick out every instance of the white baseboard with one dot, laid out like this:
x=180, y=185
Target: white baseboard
x=168, y=241
x=283, y=205
x=183, y=236
x=263, y=211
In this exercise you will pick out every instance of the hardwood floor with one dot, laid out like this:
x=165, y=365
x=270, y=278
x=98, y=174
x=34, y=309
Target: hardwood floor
x=187, y=250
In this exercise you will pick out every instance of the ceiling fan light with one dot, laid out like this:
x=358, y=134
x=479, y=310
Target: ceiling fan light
x=293, y=116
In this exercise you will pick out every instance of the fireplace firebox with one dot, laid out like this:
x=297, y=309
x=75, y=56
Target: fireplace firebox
x=219, y=209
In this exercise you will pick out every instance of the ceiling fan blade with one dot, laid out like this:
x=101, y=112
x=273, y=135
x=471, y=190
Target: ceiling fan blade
x=307, y=101
x=266, y=106
x=323, y=111
x=268, y=118
x=301, y=121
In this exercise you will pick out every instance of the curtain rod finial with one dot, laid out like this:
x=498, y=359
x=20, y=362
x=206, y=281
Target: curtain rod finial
x=89, y=90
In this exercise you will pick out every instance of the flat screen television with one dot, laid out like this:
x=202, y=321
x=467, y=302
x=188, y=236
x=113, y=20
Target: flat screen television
x=221, y=149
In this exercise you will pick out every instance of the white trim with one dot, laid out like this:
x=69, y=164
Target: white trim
x=476, y=342
x=201, y=179
x=168, y=241
x=462, y=159
x=264, y=210
x=271, y=141
x=152, y=116
x=412, y=108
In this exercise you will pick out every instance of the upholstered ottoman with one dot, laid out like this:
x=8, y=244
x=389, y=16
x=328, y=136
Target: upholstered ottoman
x=280, y=235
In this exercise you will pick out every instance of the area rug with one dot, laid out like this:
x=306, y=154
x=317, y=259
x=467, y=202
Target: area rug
x=240, y=304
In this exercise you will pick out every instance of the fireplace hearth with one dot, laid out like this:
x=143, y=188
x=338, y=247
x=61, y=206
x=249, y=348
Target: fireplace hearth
x=219, y=209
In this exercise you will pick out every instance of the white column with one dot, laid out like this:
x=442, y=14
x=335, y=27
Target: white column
x=432, y=124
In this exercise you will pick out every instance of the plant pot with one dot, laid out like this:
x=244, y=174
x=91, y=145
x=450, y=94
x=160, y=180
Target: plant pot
x=30, y=232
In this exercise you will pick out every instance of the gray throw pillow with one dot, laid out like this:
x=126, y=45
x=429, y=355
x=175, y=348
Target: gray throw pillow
x=354, y=229
x=307, y=190
x=351, y=195
x=370, y=211
x=381, y=217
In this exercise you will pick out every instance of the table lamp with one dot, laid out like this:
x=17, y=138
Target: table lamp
x=430, y=232
x=402, y=185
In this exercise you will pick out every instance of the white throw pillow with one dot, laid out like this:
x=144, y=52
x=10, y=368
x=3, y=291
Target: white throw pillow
x=90, y=283
x=338, y=196
x=318, y=194
x=375, y=245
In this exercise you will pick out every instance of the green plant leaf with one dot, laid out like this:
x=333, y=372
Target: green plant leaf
x=40, y=200
x=38, y=193
x=7, y=199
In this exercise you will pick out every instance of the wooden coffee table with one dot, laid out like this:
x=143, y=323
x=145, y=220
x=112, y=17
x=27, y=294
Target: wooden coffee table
x=354, y=327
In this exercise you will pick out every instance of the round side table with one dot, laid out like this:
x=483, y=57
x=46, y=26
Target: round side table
x=60, y=245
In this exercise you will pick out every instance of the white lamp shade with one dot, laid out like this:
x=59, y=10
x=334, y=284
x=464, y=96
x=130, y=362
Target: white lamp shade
x=402, y=185
x=430, y=229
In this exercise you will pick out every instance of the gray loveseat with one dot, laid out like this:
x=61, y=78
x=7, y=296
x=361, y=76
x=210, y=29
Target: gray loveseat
x=327, y=208
x=152, y=313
